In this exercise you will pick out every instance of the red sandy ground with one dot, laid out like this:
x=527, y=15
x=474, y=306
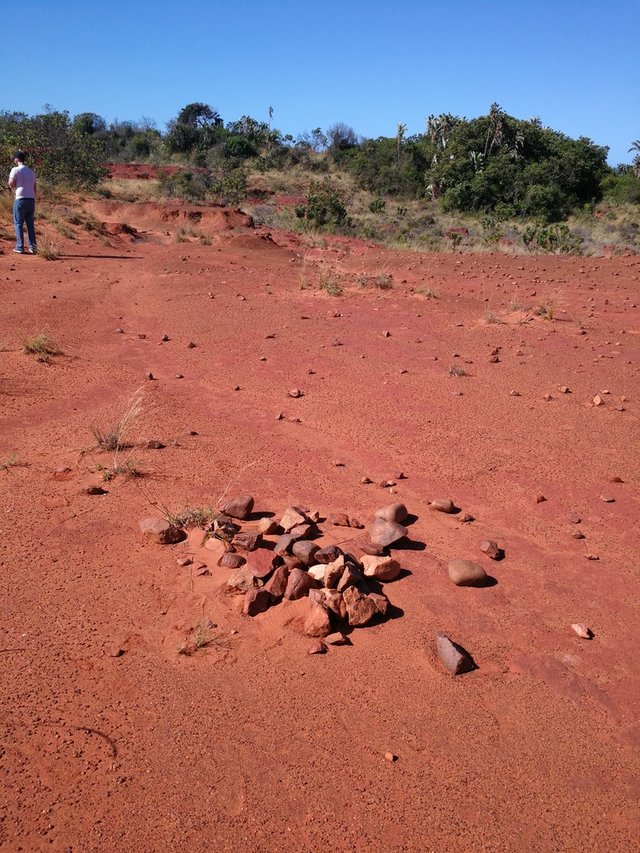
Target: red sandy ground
x=250, y=744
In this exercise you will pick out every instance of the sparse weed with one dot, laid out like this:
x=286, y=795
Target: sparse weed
x=192, y=516
x=330, y=285
x=48, y=249
x=114, y=437
x=490, y=317
x=129, y=468
x=383, y=281
x=12, y=462
x=41, y=346
x=515, y=305
x=457, y=370
x=428, y=293
x=546, y=310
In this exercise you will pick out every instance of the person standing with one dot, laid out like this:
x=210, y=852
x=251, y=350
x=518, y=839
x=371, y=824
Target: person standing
x=22, y=180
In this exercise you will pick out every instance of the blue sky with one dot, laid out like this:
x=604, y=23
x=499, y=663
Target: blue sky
x=573, y=63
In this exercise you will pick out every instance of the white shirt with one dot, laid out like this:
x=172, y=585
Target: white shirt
x=25, y=181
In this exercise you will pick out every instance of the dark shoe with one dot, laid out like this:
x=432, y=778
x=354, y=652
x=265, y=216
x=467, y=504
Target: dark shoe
x=33, y=250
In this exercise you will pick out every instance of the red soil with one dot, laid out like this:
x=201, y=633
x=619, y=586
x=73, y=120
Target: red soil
x=250, y=744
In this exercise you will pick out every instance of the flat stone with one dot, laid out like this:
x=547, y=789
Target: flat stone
x=339, y=519
x=452, y=656
x=374, y=550
x=574, y=519
x=300, y=531
x=317, y=648
x=184, y=561
x=582, y=631
x=490, y=548
x=385, y=533
x=360, y=608
x=161, y=531
x=260, y=562
x=291, y=561
x=257, y=601
x=337, y=639
x=94, y=490
x=443, y=505
x=284, y=544
x=317, y=622
x=267, y=526
x=381, y=602
x=466, y=573
x=229, y=560
x=240, y=507
x=396, y=513
x=153, y=444
x=382, y=568
x=607, y=499
x=299, y=584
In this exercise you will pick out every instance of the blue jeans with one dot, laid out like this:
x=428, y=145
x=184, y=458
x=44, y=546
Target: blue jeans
x=23, y=213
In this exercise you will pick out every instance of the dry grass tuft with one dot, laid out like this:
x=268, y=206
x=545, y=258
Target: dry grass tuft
x=41, y=345
x=114, y=437
x=457, y=370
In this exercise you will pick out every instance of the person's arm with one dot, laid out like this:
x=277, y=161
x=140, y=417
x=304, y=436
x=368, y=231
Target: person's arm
x=12, y=179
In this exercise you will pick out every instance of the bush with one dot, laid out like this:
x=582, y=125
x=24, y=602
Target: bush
x=325, y=208
x=555, y=239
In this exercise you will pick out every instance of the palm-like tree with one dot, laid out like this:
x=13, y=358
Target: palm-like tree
x=635, y=146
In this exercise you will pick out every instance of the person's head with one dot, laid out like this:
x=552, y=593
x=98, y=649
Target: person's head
x=19, y=157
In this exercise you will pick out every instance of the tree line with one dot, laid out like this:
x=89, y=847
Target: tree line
x=494, y=164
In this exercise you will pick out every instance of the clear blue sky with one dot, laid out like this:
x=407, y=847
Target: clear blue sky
x=371, y=64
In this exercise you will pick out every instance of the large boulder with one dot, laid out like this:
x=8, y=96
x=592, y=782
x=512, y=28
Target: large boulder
x=240, y=507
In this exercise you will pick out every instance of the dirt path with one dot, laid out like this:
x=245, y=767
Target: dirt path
x=250, y=743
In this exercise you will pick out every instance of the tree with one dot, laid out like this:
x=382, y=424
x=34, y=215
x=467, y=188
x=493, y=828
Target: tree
x=341, y=137
x=197, y=126
x=635, y=146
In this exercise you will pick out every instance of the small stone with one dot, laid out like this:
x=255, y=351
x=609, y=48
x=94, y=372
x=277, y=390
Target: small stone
x=443, y=505
x=374, y=550
x=582, y=631
x=386, y=533
x=466, y=573
x=399, y=475
x=267, y=526
x=607, y=499
x=337, y=639
x=257, y=601
x=94, y=490
x=280, y=416
x=160, y=530
x=142, y=336
x=381, y=602
x=597, y=400
x=490, y=548
x=515, y=394
x=247, y=541
x=295, y=392
x=154, y=444
x=184, y=561
x=452, y=656
x=386, y=334
x=191, y=345
x=229, y=560
x=467, y=518
x=165, y=338
x=149, y=375
x=327, y=554
x=614, y=479
x=291, y=517
x=116, y=651
x=179, y=375
x=260, y=562
x=382, y=568
x=120, y=331
x=578, y=534
x=564, y=389
x=574, y=519
x=339, y=519
x=283, y=545
x=592, y=556
x=395, y=513
x=389, y=756
x=239, y=507
x=300, y=531
x=540, y=499
x=366, y=481
x=317, y=648
x=317, y=622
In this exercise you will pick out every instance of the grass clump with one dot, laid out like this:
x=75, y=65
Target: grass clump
x=330, y=285
x=12, y=462
x=457, y=370
x=546, y=310
x=41, y=345
x=490, y=317
x=428, y=293
x=128, y=468
x=192, y=516
x=114, y=437
x=48, y=249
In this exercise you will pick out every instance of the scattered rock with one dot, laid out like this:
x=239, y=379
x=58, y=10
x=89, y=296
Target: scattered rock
x=161, y=531
x=366, y=481
x=299, y=584
x=607, y=499
x=385, y=533
x=337, y=639
x=381, y=602
x=491, y=549
x=94, y=490
x=257, y=601
x=328, y=554
x=291, y=517
x=283, y=544
x=295, y=392
x=574, y=519
x=452, y=656
x=317, y=622
x=592, y=556
x=389, y=756
x=382, y=568
x=184, y=561
x=466, y=573
x=229, y=560
x=239, y=507
x=277, y=583
x=267, y=526
x=578, y=534
x=582, y=631
x=443, y=505
x=334, y=602
x=317, y=648
x=260, y=563
x=149, y=376
x=191, y=345
x=305, y=551
x=339, y=519
x=333, y=572
x=240, y=581
x=374, y=550
x=247, y=541
x=540, y=499
x=467, y=518
x=395, y=513
x=360, y=608
x=598, y=401
x=351, y=576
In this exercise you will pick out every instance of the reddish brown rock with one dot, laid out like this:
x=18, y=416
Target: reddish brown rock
x=337, y=639
x=582, y=631
x=267, y=526
x=260, y=563
x=291, y=561
x=317, y=648
x=382, y=568
x=230, y=560
x=452, y=656
x=305, y=551
x=334, y=602
x=339, y=519
x=299, y=584
x=360, y=608
x=381, y=602
x=395, y=513
x=240, y=507
x=184, y=561
x=277, y=583
x=283, y=545
x=374, y=550
x=443, y=505
x=607, y=499
x=385, y=533
x=161, y=531
x=327, y=554
x=154, y=444
x=466, y=573
x=257, y=601
x=351, y=576
x=247, y=541
x=317, y=622
x=491, y=549
x=574, y=519
x=300, y=531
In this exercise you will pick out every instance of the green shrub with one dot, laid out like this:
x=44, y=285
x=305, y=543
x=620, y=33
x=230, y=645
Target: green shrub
x=556, y=239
